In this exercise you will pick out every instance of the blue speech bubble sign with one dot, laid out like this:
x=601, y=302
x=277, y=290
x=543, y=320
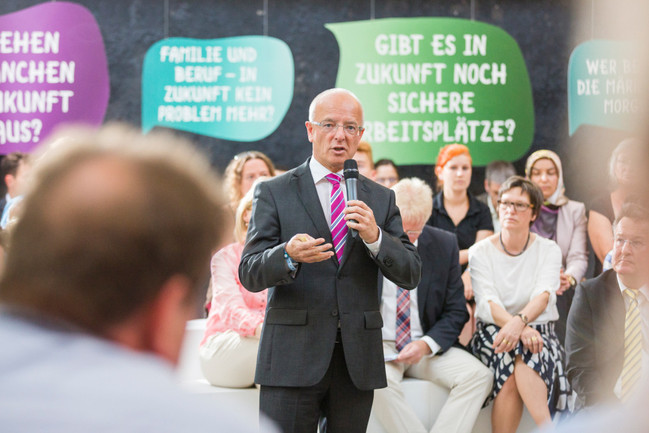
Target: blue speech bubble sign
x=603, y=85
x=233, y=88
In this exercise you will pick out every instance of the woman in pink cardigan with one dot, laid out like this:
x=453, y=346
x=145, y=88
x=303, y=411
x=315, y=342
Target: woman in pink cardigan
x=228, y=352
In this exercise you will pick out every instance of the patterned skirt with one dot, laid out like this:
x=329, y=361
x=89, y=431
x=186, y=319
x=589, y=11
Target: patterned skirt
x=549, y=363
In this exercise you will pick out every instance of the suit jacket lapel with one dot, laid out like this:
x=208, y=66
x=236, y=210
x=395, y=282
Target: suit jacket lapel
x=423, y=248
x=615, y=307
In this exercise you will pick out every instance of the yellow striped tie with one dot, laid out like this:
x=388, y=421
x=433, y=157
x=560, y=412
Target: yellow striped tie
x=631, y=371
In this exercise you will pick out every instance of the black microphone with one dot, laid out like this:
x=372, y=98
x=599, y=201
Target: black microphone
x=350, y=173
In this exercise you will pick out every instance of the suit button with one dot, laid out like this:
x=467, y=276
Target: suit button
x=388, y=261
x=334, y=313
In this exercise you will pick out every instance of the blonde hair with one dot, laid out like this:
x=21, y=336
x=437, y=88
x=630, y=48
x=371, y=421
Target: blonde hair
x=232, y=176
x=240, y=226
x=414, y=198
x=366, y=148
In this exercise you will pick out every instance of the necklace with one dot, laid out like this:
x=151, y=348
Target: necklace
x=500, y=236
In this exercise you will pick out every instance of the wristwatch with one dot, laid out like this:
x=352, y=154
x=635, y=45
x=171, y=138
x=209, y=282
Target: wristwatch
x=523, y=318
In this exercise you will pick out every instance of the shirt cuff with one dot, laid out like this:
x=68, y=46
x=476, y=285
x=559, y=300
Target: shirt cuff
x=434, y=347
x=374, y=247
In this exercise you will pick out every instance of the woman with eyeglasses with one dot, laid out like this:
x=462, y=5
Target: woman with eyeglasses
x=626, y=164
x=563, y=221
x=515, y=275
x=228, y=351
x=456, y=210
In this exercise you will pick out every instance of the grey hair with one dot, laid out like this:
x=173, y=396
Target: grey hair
x=414, y=199
x=624, y=145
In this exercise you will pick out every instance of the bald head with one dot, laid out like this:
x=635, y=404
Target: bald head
x=109, y=218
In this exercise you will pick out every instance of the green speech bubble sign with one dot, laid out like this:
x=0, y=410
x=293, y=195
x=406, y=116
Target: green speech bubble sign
x=233, y=88
x=603, y=85
x=428, y=82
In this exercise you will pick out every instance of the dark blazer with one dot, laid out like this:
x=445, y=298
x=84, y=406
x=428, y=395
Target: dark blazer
x=440, y=294
x=595, y=339
x=305, y=308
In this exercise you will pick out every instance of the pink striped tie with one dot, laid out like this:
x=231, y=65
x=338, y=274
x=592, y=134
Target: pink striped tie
x=338, y=223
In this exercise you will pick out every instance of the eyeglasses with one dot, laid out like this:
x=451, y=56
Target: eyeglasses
x=518, y=206
x=328, y=127
x=633, y=244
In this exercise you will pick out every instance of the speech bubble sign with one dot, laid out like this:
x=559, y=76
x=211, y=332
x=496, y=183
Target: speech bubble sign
x=428, y=82
x=603, y=85
x=53, y=70
x=236, y=88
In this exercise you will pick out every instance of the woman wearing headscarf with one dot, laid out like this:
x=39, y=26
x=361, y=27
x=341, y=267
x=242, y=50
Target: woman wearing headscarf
x=563, y=221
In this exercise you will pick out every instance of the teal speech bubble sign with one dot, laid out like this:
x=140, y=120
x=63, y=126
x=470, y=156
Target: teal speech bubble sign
x=603, y=85
x=428, y=82
x=233, y=88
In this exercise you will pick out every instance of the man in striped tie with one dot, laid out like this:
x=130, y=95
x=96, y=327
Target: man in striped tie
x=607, y=339
x=320, y=352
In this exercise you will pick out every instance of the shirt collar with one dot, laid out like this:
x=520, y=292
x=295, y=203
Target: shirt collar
x=474, y=207
x=319, y=171
x=644, y=289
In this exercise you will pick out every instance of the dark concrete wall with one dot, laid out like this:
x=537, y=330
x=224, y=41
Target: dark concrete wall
x=544, y=29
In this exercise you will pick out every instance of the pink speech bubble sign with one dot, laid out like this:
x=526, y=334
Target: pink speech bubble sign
x=53, y=70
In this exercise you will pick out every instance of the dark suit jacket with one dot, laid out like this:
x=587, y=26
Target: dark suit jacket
x=304, y=310
x=440, y=294
x=595, y=339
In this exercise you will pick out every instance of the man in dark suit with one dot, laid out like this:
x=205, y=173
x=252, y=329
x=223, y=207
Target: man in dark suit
x=436, y=314
x=595, y=339
x=320, y=351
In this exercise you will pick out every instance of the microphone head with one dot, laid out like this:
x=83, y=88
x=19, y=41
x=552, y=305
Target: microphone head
x=350, y=170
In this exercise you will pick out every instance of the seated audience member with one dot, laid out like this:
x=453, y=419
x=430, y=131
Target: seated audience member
x=228, y=352
x=103, y=273
x=496, y=173
x=242, y=172
x=563, y=221
x=625, y=165
x=515, y=277
x=15, y=168
x=456, y=210
x=421, y=327
x=607, y=336
x=363, y=157
x=386, y=173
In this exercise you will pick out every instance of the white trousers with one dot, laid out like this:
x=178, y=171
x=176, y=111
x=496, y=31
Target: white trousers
x=229, y=360
x=468, y=380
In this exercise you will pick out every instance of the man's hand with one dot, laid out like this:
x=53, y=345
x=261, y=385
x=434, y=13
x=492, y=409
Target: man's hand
x=305, y=249
x=365, y=224
x=413, y=352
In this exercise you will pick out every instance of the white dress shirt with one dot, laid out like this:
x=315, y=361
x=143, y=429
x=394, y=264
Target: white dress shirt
x=389, y=313
x=323, y=188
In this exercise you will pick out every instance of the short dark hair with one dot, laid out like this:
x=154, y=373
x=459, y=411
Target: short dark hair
x=499, y=171
x=386, y=161
x=11, y=162
x=533, y=192
x=96, y=253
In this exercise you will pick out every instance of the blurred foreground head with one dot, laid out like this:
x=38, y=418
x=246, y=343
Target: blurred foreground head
x=116, y=235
